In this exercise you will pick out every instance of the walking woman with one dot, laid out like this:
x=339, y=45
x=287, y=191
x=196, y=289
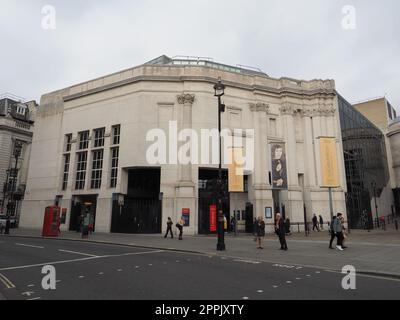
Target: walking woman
x=180, y=225
x=169, y=228
x=260, y=232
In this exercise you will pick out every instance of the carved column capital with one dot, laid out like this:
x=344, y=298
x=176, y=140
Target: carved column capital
x=186, y=98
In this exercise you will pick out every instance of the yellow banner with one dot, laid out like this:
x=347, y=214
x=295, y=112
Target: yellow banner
x=329, y=163
x=236, y=172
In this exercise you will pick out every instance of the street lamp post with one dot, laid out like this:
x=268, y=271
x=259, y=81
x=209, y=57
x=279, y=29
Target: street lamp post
x=376, y=204
x=219, y=92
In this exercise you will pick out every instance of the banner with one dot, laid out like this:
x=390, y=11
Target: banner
x=213, y=218
x=236, y=171
x=329, y=164
x=279, y=169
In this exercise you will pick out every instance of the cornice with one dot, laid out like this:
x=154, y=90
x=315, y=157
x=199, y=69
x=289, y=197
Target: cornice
x=316, y=110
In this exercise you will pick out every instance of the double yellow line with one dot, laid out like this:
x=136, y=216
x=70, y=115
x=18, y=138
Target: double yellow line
x=7, y=283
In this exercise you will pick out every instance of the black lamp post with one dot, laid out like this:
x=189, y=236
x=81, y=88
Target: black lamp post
x=219, y=92
x=376, y=205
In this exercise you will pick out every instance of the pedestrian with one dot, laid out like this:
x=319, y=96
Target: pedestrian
x=233, y=224
x=1, y=228
x=332, y=232
x=281, y=231
x=255, y=226
x=260, y=232
x=338, y=229
x=315, y=223
x=225, y=224
x=169, y=228
x=344, y=232
x=85, y=226
x=180, y=225
x=288, y=227
x=321, y=222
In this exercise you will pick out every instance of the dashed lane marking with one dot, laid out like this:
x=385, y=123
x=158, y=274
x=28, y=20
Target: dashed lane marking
x=79, y=253
x=245, y=298
x=81, y=277
x=38, y=298
x=31, y=286
x=28, y=245
x=260, y=291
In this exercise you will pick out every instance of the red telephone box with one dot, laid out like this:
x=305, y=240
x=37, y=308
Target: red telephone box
x=51, y=223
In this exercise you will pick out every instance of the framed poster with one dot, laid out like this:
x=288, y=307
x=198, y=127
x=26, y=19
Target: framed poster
x=268, y=213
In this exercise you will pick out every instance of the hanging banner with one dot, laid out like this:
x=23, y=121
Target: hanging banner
x=236, y=171
x=329, y=163
x=213, y=218
x=279, y=169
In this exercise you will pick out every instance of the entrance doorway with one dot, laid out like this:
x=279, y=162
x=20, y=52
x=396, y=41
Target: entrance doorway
x=141, y=211
x=208, y=189
x=81, y=206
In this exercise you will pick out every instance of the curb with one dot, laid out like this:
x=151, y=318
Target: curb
x=372, y=273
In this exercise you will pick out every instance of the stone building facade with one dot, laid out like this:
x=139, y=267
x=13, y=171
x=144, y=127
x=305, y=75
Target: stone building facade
x=91, y=141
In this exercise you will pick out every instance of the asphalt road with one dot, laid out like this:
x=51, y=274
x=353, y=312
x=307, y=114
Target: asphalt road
x=110, y=272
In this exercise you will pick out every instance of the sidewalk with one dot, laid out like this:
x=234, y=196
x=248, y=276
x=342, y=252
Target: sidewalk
x=376, y=253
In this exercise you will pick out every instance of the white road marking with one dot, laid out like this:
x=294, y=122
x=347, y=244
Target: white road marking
x=317, y=272
x=150, y=265
x=260, y=291
x=298, y=278
x=31, y=286
x=78, y=260
x=275, y=287
x=38, y=298
x=78, y=253
x=81, y=277
x=177, y=261
x=100, y=273
x=247, y=261
x=28, y=245
x=120, y=270
x=309, y=276
x=58, y=281
x=28, y=293
x=288, y=282
x=137, y=267
x=245, y=298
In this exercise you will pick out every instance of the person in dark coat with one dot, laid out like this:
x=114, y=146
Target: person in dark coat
x=321, y=222
x=260, y=232
x=255, y=226
x=169, y=228
x=332, y=232
x=315, y=223
x=281, y=231
x=287, y=227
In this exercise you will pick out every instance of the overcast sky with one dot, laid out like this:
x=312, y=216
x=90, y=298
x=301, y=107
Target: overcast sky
x=300, y=39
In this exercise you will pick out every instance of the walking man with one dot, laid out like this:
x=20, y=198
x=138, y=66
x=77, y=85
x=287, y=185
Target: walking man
x=260, y=232
x=281, y=231
x=315, y=223
x=180, y=225
x=169, y=228
x=338, y=229
x=321, y=222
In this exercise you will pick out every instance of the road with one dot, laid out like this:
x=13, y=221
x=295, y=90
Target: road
x=110, y=272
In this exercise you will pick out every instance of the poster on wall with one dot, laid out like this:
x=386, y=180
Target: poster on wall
x=186, y=217
x=279, y=169
x=268, y=213
x=329, y=163
x=213, y=218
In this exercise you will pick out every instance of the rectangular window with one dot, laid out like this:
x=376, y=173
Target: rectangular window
x=97, y=169
x=116, y=134
x=68, y=142
x=390, y=111
x=99, y=137
x=114, y=167
x=66, y=171
x=81, y=171
x=272, y=127
x=83, y=140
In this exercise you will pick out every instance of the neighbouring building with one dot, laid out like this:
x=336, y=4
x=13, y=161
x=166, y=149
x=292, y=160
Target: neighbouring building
x=16, y=129
x=91, y=145
x=384, y=116
x=367, y=171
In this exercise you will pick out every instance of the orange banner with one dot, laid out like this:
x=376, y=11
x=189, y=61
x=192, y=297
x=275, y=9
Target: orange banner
x=329, y=163
x=236, y=171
